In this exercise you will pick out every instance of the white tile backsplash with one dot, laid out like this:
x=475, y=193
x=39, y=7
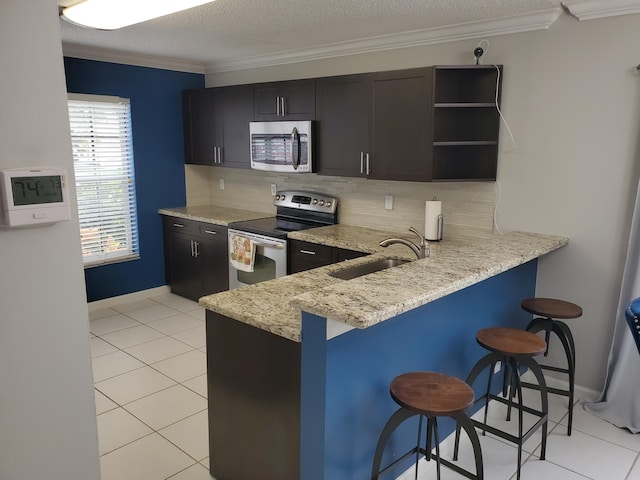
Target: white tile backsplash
x=467, y=206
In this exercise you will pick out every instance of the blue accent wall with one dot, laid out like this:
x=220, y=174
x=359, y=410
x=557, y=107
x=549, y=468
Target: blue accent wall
x=345, y=385
x=156, y=115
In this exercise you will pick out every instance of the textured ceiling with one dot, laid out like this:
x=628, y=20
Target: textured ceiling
x=231, y=29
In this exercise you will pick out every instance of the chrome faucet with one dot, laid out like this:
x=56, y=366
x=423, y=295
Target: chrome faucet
x=421, y=250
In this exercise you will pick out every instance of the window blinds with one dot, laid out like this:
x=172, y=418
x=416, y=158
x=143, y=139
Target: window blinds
x=104, y=171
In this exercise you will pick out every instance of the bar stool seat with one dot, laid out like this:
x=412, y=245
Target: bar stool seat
x=514, y=348
x=430, y=395
x=550, y=311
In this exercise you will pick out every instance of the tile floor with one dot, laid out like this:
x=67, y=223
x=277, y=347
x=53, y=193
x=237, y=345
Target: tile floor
x=149, y=367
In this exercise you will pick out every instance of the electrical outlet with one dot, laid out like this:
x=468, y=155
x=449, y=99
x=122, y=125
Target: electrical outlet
x=222, y=184
x=273, y=188
x=497, y=367
x=388, y=202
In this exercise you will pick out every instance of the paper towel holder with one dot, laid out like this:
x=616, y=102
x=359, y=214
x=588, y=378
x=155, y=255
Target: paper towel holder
x=440, y=226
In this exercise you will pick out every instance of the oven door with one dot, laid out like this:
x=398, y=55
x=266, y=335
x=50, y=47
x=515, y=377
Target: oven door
x=270, y=261
x=281, y=146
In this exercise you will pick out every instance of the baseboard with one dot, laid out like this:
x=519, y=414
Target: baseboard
x=581, y=393
x=129, y=297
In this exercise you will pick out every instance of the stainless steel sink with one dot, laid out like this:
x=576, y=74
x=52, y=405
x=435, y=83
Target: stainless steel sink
x=367, y=268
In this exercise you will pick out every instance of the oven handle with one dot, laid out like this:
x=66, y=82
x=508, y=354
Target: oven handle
x=270, y=245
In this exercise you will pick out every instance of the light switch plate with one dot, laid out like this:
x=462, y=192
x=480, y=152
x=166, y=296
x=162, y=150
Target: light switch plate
x=222, y=184
x=273, y=188
x=388, y=202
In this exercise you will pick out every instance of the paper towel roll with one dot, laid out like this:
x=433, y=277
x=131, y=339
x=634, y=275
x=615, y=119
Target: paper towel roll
x=432, y=210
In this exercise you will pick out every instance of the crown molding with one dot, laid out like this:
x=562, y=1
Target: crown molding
x=540, y=20
x=127, y=58
x=592, y=9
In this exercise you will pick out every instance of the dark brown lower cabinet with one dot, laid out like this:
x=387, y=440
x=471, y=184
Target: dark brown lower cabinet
x=196, y=257
x=253, y=381
x=304, y=256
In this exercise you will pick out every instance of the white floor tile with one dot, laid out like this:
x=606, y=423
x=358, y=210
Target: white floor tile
x=167, y=406
x=132, y=336
x=149, y=458
x=635, y=471
x=595, y=426
x=536, y=469
x=103, y=404
x=196, y=337
x=114, y=323
x=198, y=385
x=191, y=435
x=100, y=347
x=135, y=305
x=184, y=366
x=117, y=428
x=589, y=456
x=200, y=314
x=194, y=472
x=101, y=313
x=151, y=313
x=159, y=349
x=175, y=301
x=134, y=385
x=113, y=364
x=175, y=324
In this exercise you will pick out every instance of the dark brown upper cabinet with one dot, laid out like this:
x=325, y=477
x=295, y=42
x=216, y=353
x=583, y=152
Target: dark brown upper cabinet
x=216, y=126
x=427, y=124
x=290, y=100
x=373, y=125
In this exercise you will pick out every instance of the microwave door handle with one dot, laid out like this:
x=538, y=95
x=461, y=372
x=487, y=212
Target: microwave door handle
x=295, y=148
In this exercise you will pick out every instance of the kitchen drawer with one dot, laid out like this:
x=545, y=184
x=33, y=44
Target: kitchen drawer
x=181, y=225
x=215, y=232
x=318, y=253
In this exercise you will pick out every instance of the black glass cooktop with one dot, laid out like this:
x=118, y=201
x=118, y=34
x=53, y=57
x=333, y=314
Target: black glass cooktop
x=274, y=227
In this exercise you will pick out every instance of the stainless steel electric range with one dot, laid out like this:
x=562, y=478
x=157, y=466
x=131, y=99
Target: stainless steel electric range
x=295, y=210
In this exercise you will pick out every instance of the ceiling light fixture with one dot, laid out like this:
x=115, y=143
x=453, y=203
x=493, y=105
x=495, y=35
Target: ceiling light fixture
x=114, y=14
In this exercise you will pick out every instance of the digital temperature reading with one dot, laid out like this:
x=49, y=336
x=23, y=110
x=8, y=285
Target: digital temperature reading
x=35, y=190
x=33, y=196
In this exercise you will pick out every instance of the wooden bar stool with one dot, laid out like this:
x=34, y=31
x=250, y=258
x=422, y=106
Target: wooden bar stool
x=430, y=395
x=549, y=311
x=515, y=348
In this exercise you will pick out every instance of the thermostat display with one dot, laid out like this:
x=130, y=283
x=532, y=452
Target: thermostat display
x=33, y=196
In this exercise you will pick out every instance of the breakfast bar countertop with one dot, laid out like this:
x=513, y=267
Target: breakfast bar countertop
x=213, y=214
x=276, y=305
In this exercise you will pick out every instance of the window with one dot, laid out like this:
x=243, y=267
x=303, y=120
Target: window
x=104, y=171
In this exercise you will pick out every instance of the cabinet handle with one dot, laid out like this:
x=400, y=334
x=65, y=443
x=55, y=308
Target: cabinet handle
x=361, y=162
x=196, y=253
x=278, y=106
x=307, y=252
x=178, y=225
x=213, y=150
x=192, y=250
x=210, y=232
x=368, y=164
x=283, y=109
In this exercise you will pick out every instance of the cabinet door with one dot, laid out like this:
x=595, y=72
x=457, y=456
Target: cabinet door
x=202, y=125
x=237, y=112
x=214, y=261
x=291, y=100
x=343, y=114
x=402, y=125
x=341, y=254
x=185, y=277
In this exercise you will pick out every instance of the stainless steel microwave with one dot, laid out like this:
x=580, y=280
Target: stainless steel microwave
x=284, y=147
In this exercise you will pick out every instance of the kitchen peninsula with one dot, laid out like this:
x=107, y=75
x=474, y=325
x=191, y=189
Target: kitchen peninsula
x=299, y=367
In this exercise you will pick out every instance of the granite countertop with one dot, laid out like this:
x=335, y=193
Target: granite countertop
x=212, y=214
x=454, y=264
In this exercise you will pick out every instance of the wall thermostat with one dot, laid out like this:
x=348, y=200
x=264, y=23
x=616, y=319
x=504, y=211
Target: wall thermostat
x=32, y=196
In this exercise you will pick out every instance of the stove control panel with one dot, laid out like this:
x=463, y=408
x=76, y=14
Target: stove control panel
x=311, y=201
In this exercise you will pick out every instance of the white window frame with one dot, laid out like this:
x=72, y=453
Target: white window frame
x=105, y=178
